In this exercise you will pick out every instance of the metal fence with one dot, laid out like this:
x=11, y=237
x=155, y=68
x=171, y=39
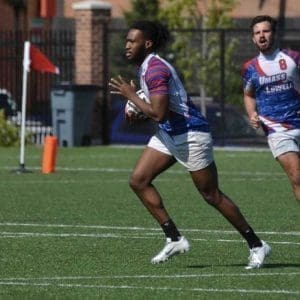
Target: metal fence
x=202, y=40
x=227, y=50
x=59, y=47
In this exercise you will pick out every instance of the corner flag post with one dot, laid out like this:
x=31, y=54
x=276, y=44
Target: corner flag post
x=26, y=69
x=33, y=59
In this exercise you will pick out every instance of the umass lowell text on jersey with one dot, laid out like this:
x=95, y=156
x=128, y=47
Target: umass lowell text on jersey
x=274, y=81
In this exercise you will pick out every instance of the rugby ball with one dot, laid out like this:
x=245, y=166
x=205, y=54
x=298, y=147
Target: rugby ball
x=131, y=108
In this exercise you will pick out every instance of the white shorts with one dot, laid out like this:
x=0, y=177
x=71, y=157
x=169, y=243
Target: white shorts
x=282, y=142
x=194, y=150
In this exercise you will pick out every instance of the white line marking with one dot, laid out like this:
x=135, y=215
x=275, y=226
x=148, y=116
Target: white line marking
x=164, y=288
x=170, y=171
x=5, y=234
x=236, y=241
x=61, y=235
x=89, y=181
x=175, y=276
x=78, y=226
x=134, y=228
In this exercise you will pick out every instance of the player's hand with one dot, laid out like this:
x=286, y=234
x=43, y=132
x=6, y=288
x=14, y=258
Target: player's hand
x=129, y=116
x=254, y=120
x=120, y=86
x=132, y=118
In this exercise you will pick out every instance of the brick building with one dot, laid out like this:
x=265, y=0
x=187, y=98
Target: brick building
x=31, y=17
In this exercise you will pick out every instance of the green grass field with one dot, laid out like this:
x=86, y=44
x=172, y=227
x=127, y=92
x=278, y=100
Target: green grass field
x=80, y=233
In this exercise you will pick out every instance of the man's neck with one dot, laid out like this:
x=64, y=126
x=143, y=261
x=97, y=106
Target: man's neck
x=269, y=52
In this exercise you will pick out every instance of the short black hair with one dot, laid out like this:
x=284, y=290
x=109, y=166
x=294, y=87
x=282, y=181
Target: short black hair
x=264, y=18
x=154, y=31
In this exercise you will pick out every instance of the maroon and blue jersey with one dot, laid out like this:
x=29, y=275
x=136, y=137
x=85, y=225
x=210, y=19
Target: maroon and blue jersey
x=158, y=77
x=274, y=82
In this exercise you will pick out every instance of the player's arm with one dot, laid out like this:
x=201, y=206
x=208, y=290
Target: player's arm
x=157, y=80
x=159, y=107
x=156, y=110
x=128, y=91
x=250, y=106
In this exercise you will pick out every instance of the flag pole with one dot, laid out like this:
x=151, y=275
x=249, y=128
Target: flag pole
x=33, y=59
x=26, y=69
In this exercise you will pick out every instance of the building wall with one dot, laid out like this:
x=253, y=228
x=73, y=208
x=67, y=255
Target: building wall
x=7, y=16
x=7, y=20
x=118, y=7
x=245, y=9
x=251, y=8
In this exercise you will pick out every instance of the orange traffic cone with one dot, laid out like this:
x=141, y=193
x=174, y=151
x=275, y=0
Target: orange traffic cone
x=49, y=154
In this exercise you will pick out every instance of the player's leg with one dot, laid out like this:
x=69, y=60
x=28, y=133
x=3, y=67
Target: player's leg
x=206, y=181
x=150, y=164
x=195, y=152
x=285, y=147
x=290, y=162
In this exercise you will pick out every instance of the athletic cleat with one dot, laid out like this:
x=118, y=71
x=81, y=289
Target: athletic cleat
x=171, y=248
x=258, y=255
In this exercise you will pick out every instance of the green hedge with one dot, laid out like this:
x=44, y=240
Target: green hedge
x=9, y=133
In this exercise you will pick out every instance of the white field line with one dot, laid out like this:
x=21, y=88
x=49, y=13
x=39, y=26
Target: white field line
x=4, y=234
x=114, y=180
x=125, y=180
x=170, y=171
x=163, y=288
x=148, y=276
x=133, y=228
x=241, y=149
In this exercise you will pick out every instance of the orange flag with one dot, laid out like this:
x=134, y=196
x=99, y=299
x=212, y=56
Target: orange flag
x=39, y=62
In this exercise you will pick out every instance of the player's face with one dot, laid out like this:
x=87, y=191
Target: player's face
x=263, y=36
x=135, y=47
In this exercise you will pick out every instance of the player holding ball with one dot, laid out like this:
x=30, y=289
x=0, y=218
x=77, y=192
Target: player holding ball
x=183, y=136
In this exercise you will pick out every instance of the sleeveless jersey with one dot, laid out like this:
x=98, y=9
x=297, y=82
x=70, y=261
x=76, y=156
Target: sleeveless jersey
x=158, y=77
x=275, y=81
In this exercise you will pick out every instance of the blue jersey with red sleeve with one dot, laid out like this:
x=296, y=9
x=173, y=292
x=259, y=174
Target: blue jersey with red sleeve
x=274, y=80
x=158, y=77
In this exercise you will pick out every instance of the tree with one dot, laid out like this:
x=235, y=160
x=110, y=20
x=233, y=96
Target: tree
x=184, y=53
x=141, y=10
x=196, y=55
x=218, y=18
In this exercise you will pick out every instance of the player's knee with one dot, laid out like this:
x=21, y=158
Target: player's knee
x=297, y=193
x=133, y=182
x=137, y=182
x=212, y=198
x=296, y=188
